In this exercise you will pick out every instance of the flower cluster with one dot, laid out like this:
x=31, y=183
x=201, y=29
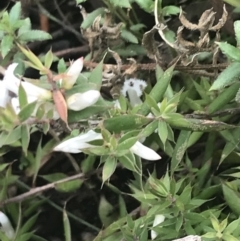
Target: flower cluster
x=10, y=84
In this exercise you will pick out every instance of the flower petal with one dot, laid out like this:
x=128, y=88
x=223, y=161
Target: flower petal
x=80, y=101
x=4, y=95
x=144, y=152
x=157, y=220
x=6, y=226
x=76, y=144
x=11, y=81
x=73, y=73
x=36, y=92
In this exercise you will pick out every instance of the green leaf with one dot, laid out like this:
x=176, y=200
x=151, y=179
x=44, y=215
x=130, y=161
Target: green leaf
x=125, y=122
x=27, y=111
x=28, y=224
x=67, y=227
x=232, y=226
x=223, y=98
x=128, y=36
x=149, y=129
x=230, y=51
x=96, y=76
x=237, y=31
x=25, y=27
x=48, y=59
x=162, y=131
x=159, y=88
x=34, y=35
x=6, y=45
x=229, y=75
x=147, y=5
x=179, y=149
x=88, y=21
x=108, y=168
x=198, y=124
x=122, y=3
x=80, y=1
x=69, y=186
x=25, y=136
x=151, y=102
x=22, y=96
x=232, y=198
x=15, y=13
x=215, y=223
x=170, y=10
x=229, y=237
x=105, y=212
x=61, y=66
x=127, y=144
x=129, y=162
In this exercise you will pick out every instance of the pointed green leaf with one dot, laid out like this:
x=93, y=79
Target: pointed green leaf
x=108, y=168
x=232, y=198
x=67, y=227
x=228, y=76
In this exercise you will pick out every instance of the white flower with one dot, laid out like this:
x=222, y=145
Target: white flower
x=4, y=95
x=157, y=220
x=80, y=101
x=134, y=89
x=33, y=92
x=144, y=152
x=46, y=105
x=76, y=144
x=5, y=226
x=72, y=74
x=134, y=84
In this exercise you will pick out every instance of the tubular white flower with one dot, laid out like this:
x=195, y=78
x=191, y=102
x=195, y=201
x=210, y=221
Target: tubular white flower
x=33, y=92
x=134, y=89
x=157, y=220
x=73, y=73
x=144, y=152
x=4, y=95
x=6, y=226
x=76, y=144
x=80, y=101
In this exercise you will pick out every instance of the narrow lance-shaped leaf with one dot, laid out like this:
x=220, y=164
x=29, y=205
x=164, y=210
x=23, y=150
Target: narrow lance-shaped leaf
x=228, y=76
x=108, y=168
x=66, y=225
x=223, y=98
x=230, y=51
x=232, y=198
x=237, y=31
x=179, y=149
x=25, y=134
x=96, y=76
x=125, y=122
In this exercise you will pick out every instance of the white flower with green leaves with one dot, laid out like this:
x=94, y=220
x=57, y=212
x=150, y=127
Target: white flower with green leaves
x=79, y=143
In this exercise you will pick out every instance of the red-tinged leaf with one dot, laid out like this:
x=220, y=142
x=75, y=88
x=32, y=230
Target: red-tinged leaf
x=61, y=105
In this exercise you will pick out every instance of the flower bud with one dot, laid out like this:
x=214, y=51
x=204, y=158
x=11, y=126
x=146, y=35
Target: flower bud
x=72, y=74
x=80, y=101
